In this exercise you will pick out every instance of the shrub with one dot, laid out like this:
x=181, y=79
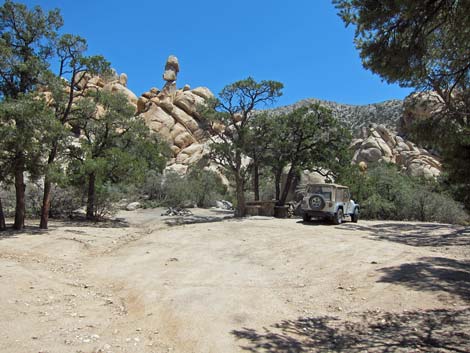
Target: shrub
x=64, y=201
x=7, y=193
x=385, y=193
x=199, y=187
x=437, y=207
x=107, y=197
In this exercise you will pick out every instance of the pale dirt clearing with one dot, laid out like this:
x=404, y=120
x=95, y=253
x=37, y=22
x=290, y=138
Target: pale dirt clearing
x=252, y=285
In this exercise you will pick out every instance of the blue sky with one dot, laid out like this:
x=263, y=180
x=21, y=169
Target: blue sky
x=302, y=43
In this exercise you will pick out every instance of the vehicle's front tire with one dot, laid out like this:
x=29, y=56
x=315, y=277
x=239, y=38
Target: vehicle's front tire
x=306, y=217
x=338, y=218
x=355, y=215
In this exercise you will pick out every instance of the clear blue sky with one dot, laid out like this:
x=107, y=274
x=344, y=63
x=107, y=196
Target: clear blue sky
x=302, y=43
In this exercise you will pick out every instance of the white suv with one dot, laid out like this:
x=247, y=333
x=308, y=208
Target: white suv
x=331, y=201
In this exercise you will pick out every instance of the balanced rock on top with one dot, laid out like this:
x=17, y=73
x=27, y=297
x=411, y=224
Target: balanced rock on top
x=172, y=67
x=173, y=113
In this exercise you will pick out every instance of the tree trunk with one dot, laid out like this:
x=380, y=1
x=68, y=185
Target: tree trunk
x=90, y=207
x=285, y=192
x=2, y=217
x=20, y=187
x=277, y=182
x=256, y=181
x=46, y=203
x=240, y=210
x=46, y=200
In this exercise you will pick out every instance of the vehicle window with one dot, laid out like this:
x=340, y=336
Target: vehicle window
x=325, y=191
x=339, y=195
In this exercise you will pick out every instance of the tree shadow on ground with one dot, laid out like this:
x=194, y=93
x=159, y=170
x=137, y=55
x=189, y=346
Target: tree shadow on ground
x=413, y=331
x=432, y=274
x=10, y=233
x=61, y=223
x=432, y=235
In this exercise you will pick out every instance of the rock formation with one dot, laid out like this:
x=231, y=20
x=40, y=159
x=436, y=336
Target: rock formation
x=114, y=83
x=172, y=113
x=375, y=127
x=379, y=144
x=419, y=106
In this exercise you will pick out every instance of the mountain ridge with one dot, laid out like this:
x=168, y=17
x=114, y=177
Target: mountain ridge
x=387, y=113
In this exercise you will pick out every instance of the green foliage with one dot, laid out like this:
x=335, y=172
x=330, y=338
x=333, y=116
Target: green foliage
x=73, y=66
x=116, y=148
x=454, y=146
x=199, y=187
x=25, y=128
x=233, y=111
x=243, y=96
x=307, y=138
x=414, y=43
x=423, y=44
x=64, y=201
x=384, y=193
x=29, y=43
x=229, y=122
x=26, y=44
x=107, y=197
x=115, y=144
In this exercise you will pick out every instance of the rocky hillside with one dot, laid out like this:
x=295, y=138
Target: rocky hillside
x=378, y=144
x=387, y=113
x=172, y=113
x=375, y=127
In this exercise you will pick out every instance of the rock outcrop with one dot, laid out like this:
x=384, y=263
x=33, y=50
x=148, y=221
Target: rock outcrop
x=375, y=127
x=114, y=83
x=379, y=144
x=419, y=106
x=173, y=114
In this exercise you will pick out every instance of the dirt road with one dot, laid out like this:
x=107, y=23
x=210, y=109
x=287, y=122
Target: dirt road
x=255, y=285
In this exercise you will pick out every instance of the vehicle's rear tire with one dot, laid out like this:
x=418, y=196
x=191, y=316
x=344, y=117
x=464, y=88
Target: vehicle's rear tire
x=306, y=217
x=355, y=215
x=338, y=218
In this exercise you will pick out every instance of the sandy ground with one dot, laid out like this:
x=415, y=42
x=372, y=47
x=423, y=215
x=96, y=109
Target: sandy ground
x=154, y=284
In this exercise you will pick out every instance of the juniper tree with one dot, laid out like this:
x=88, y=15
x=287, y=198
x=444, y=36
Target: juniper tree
x=75, y=66
x=26, y=43
x=114, y=147
x=306, y=138
x=425, y=45
x=25, y=127
x=229, y=118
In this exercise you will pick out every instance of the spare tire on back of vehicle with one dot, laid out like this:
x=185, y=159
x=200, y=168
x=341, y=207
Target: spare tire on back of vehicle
x=316, y=202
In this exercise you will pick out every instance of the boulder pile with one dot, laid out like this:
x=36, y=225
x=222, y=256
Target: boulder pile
x=419, y=106
x=173, y=114
x=115, y=83
x=379, y=144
